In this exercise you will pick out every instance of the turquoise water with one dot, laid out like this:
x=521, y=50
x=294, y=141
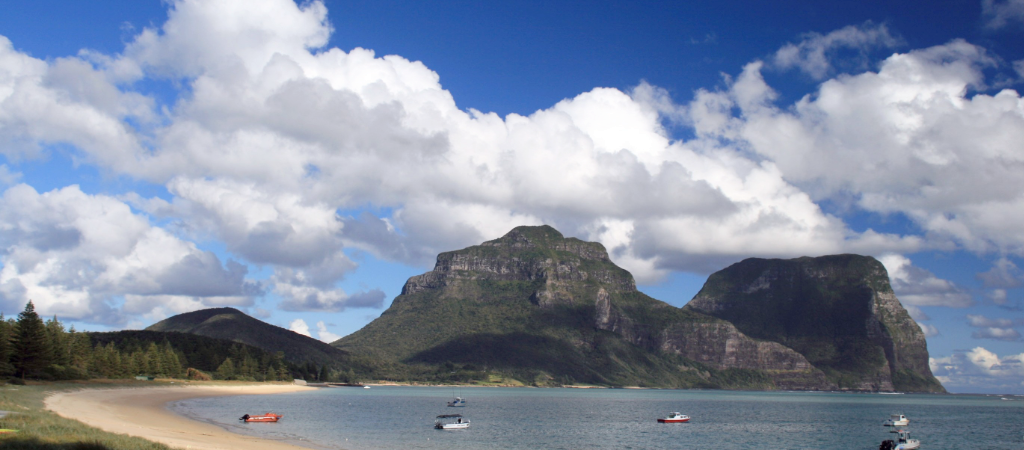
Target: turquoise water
x=399, y=417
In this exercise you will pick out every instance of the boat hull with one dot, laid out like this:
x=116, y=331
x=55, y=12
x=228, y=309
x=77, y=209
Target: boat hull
x=264, y=418
x=674, y=420
x=452, y=426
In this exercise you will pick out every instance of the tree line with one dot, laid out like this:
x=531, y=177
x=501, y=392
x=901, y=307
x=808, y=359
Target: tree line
x=31, y=348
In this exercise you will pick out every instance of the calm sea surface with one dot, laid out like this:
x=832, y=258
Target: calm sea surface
x=396, y=417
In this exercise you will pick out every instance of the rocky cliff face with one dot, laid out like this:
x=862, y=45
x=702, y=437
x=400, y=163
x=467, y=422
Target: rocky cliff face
x=838, y=311
x=534, y=285
x=527, y=254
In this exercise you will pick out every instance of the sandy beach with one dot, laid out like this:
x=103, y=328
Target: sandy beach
x=142, y=412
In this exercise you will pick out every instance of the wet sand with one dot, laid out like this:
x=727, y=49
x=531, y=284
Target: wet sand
x=142, y=412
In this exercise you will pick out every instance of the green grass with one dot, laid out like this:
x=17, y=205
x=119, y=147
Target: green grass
x=39, y=429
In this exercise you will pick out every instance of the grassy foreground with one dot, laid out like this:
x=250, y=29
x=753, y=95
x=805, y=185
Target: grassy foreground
x=39, y=429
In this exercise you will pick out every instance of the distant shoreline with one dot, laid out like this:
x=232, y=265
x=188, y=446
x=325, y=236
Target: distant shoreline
x=143, y=412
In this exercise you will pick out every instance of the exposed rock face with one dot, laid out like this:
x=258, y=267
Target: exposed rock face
x=839, y=311
x=520, y=256
x=534, y=285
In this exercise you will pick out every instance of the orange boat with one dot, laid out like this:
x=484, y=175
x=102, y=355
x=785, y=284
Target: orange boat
x=268, y=417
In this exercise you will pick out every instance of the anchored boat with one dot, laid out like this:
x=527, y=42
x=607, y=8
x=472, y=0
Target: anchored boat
x=896, y=420
x=902, y=442
x=268, y=417
x=459, y=401
x=675, y=418
x=451, y=422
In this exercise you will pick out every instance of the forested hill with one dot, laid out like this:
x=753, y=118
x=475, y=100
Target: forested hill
x=233, y=325
x=139, y=352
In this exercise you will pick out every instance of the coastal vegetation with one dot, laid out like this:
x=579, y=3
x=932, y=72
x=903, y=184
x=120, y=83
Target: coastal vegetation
x=39, y=429
x=31, y=348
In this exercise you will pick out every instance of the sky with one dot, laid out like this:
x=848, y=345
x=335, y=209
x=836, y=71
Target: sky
x=299, y=161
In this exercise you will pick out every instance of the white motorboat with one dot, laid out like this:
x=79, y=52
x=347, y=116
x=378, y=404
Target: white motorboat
x=896, y=420
x=451, y=422
x=902, y=442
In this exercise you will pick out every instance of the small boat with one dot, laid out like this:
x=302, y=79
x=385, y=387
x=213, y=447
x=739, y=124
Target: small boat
x=896, y=420
x=459, y=401
x=675, y=418
x=268, y=417
x=902, y=442
x=451, y=422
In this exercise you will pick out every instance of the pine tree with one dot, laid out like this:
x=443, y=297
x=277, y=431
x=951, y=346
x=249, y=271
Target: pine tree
x=6, y=346
x=59, y=343
x=226, y=371
x=169, y=360
x=81, y=353
x=154, y=360
x=31, y=346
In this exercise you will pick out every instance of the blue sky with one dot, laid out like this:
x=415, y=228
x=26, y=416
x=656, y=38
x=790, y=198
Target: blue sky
x=160, y=157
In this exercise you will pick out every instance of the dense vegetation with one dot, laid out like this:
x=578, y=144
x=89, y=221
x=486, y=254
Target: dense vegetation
x=33, y=349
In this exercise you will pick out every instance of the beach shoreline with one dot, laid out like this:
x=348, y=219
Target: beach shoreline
x=143, y=412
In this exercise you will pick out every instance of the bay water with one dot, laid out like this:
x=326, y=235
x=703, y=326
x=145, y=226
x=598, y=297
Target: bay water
x=402, y=418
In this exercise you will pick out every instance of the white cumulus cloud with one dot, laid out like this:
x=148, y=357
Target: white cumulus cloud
x=299, y=326
x=980, y=370
x=73, y=254
x=918, y=287
x=274, y=137
x=324, y=335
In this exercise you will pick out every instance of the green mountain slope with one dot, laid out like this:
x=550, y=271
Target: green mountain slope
x=548, y=309
x=233, y=325
x=838, y=311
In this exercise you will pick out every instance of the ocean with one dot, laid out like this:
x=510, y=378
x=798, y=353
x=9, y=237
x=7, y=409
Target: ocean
x=402, y=418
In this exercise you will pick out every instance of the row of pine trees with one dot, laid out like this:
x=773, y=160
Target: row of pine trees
x=34, y=349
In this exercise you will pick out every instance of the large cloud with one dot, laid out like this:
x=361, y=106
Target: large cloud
x=75, y=254
x=275, y=138
x=904, y=140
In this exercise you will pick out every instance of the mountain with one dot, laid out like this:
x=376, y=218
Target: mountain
x=546, y=309
x=838, y=311
x=234, y=325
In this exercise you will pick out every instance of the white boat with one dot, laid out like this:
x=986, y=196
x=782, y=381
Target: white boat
x=675, y=418
x=451, y=422
x=459, y=401
x=902, y=442
x=896, y=420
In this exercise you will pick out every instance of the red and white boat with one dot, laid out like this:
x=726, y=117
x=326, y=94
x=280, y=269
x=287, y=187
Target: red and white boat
x=268, y=417
x=675, y=418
